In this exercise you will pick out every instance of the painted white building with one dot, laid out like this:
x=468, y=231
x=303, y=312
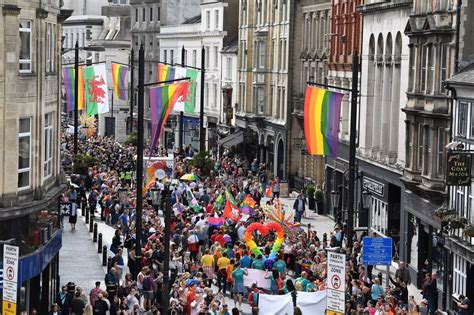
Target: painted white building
x=381, y=149
x=88, y=7
x=213, y=29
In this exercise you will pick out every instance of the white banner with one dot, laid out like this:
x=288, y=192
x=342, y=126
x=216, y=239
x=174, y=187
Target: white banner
x=257, y=276
x=311, y=302
x=276, y=304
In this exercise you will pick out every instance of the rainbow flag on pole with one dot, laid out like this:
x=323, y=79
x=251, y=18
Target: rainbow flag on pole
x=119, y=76
x=162, y=100
x=167, y=72
x=322, y=111
x=68, y=78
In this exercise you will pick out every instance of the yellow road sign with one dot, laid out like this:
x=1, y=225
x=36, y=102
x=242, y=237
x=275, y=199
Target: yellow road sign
x=9, y=308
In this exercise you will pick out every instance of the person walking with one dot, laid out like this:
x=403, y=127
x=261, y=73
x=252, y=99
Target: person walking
x=432, y=294
x=93, y=295
x=73, y=201
x=77, y=304
x=299, y=207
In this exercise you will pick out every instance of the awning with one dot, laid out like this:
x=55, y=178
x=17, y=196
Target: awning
x=232, y=139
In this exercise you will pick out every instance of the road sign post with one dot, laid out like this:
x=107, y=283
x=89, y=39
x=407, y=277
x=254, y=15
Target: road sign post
x=10, y=279
x=336, y=283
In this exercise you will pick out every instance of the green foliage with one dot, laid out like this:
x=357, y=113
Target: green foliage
x=469, y=230
x=82, y=162
x=319, y=195
x=310, y=191
x=132, y=139
x=203, y=162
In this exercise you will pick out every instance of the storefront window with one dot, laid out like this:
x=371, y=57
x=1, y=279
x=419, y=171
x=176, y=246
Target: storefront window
x=412, y=248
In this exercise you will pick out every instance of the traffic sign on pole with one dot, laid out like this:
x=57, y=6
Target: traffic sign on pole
x=336, y=283
x=10, y=278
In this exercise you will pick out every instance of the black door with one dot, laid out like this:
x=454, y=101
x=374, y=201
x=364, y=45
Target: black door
x=110, y=126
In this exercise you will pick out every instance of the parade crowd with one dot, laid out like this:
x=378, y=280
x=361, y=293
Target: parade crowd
x=210, y=256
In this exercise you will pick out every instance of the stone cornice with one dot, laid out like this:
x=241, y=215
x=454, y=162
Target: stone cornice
x=377, y=7
x=41, y=13
x=9, y=9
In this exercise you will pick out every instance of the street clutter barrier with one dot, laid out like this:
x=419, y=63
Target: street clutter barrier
x=310, y=303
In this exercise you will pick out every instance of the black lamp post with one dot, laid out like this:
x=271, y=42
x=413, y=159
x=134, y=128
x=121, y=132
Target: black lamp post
x=366, y=205
x=335, y=199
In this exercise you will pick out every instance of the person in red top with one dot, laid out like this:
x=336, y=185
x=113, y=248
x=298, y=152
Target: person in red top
x=190, y=298
x=93, y=296
x=220, y=238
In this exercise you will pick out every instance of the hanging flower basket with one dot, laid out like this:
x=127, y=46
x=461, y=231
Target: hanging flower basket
x=457, y=223
x=442, y=213
x=469, y=230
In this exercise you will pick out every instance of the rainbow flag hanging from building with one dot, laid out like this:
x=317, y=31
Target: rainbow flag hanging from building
x=322, y=111
x=162, y=100
x=167, y=73
x=119, y=76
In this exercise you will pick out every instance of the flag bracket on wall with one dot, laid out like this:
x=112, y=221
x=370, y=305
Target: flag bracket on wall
x=327, y=86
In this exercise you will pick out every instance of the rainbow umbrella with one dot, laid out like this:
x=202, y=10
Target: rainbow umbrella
x=190, y=177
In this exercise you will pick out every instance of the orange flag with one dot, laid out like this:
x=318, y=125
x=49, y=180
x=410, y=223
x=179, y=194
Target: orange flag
x=231, y=212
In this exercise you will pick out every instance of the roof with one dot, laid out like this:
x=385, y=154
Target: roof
x=194, y=20
x=464, y=77
x=232, y=47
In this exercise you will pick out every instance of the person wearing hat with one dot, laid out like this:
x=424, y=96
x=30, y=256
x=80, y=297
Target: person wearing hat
x=464, y=305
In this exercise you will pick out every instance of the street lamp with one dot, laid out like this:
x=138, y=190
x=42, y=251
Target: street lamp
x=76, y=84
x=367, y=205
x=335, y=198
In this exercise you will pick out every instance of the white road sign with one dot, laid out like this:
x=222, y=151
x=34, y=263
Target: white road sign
x=10, y=272
x=336, y=282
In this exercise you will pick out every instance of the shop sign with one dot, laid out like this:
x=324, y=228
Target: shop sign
x=373, y=186
x=10, y=278
x=459, y=169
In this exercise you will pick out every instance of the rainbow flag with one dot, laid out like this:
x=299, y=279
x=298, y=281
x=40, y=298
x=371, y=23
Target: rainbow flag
x=167, y=73
x=119, y=76
x=230, y=197
x=162, y=100
x=322, y=111
x=68, y=79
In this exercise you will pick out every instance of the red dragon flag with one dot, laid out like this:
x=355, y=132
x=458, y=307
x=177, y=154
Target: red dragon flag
x=95, y=88
x=231, y=212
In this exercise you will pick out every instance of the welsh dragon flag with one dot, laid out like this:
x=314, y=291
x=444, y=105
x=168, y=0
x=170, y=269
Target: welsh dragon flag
x=95, y=89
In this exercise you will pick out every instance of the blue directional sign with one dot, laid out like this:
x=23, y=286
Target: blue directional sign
x=377, y=251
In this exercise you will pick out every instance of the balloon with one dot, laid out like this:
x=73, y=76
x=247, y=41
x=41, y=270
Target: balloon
x=269, y=263
x=264, y=230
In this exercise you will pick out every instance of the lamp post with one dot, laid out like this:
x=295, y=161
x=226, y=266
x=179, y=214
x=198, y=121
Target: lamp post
x=132, y=55
x=366, y=205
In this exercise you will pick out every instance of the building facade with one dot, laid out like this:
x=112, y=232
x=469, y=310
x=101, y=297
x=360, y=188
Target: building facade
x=31, y=181
x=381, y=151
x=344, y=40
x=213, y=29
x=264, y=81
x=146, y=19
x=310, y=63
x=431, y=32
x=115, y=38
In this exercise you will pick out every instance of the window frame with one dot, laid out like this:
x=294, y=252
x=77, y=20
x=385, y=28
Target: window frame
x=21, y=135
x=48, y=155
x=462, y=119
x=420, y=148
x=440, y=152
x=216, y=19
x=260, y=99
x=30, y=60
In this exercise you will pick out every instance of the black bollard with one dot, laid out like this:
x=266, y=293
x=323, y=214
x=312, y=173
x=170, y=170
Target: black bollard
x=104, y=256
x=87, y=215
x=91, y=224
x=94, y=235
x=99, y=244
x=109, y=262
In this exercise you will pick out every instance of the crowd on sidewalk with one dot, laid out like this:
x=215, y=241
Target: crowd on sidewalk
x=211, y=253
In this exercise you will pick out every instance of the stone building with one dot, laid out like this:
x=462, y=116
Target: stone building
x=264, y=81
x=381, y=151
x=344, y=40
x=30, y=166
x=146, y=19
x=214, y=28
x=309, y=59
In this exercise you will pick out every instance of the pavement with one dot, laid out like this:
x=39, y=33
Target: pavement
x=82, y=264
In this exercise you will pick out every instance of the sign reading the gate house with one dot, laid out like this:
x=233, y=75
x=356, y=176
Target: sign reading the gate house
x=459, y=169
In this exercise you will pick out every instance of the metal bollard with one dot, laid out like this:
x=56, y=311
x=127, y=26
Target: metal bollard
x=87, y=215
x=99, y=244
x=91, y=224
x=109, y=262
x=104, y=256
x=94, y=235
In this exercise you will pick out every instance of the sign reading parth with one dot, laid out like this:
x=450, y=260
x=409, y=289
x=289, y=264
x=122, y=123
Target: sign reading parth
x=336, y=283
x=10, y=278
x=459, y=169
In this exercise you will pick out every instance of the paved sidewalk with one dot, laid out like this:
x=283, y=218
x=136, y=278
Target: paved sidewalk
x=78, y=258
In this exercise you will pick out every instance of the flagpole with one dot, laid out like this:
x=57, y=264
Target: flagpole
x=76, y=95
x=181, y=114
x=202, y=139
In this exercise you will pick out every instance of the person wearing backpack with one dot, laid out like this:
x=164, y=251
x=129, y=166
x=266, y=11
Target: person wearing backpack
x=148, y=288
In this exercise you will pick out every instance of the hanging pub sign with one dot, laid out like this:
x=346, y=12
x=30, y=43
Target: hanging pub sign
x=459, y=169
